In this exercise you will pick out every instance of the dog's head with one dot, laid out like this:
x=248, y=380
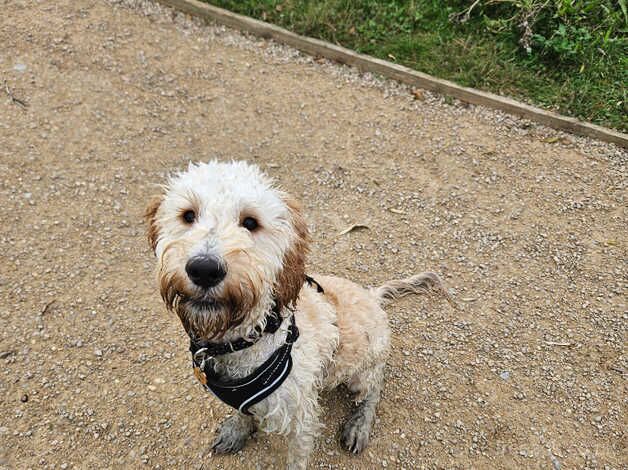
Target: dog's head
x=229, y=245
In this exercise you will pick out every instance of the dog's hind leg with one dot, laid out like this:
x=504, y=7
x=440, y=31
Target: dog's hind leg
x=357, y=429
x=233, y=433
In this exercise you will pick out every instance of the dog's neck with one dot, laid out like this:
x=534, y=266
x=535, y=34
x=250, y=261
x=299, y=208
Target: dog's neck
x=242, y=363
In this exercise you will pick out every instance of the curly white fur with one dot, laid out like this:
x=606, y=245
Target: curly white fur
x=344, y=333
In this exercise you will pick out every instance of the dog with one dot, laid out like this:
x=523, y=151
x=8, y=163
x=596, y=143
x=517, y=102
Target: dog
x=267, y=339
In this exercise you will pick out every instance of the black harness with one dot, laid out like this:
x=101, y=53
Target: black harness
x=247, y=391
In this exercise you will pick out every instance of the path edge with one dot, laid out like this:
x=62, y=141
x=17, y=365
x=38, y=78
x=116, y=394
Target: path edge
x=397, y=72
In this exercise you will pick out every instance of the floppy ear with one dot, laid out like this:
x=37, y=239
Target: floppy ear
x=292, y=275
x=150, y=215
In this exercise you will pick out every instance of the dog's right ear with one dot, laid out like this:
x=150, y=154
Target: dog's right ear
x=292, y=275
x=150, y=215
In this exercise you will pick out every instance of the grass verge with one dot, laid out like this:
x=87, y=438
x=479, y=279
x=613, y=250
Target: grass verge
x=570, y=56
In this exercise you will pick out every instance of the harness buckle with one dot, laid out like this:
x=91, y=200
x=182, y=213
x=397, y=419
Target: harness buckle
x=201, y=358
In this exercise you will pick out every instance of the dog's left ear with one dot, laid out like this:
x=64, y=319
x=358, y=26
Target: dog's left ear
x=150, y=215
x=292, y=275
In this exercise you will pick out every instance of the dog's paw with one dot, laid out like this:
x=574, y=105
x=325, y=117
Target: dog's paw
x=233, y=434
x=355, y=433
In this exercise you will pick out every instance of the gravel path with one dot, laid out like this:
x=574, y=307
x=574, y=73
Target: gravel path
x=525, y=223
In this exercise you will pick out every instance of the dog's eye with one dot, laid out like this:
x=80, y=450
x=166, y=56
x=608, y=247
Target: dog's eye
x=189, y=217
x=250, y=223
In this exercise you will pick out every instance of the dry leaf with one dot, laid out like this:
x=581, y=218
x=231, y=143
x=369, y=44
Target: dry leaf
x=418, y=94
x=352, y=228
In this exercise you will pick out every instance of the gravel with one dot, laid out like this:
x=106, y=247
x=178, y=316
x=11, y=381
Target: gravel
x=526, y=224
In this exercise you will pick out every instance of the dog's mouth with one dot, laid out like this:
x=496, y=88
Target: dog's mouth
x=201, y=304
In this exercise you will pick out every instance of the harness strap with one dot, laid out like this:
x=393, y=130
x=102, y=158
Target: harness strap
x=247, y=391
x=273, y=322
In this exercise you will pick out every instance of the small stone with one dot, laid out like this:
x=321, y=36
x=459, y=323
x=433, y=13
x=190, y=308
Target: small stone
x=98, y=352
x=24, y=398
x=505, y=375
x=20, y=67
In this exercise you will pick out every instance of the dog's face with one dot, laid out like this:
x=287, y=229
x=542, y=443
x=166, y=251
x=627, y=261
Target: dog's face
x=228, y=245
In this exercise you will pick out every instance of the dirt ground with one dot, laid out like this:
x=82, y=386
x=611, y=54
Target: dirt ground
x=99, y=101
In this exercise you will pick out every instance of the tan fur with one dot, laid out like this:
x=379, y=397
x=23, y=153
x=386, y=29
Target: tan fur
x=424, y=283
x=150, y=215
x=291, y=277
x=362, y=325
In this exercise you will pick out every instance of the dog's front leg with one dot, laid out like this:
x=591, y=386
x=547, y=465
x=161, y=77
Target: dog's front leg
x=301, y=439
x=233, y=433
x=300, y=447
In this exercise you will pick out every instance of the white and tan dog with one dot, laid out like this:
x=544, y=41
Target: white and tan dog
x=231, y=248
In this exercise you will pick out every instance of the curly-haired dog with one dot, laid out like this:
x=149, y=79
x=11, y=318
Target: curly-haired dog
x=266, y=338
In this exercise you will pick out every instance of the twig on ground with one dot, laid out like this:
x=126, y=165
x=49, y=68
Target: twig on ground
x=555, y=343
x=47, y=306
x=6, y=354
x=352, y=228
x=463, y=16
x=15, y=100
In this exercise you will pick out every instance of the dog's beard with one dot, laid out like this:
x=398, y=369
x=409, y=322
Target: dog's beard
x=210, y=314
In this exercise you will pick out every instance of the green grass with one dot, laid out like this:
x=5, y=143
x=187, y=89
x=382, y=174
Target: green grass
x=572, y=57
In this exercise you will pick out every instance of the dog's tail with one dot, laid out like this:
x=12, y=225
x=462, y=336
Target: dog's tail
x=424, y=284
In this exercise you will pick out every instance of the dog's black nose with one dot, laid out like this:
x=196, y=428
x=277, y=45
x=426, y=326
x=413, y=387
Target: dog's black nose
x=205, y=271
